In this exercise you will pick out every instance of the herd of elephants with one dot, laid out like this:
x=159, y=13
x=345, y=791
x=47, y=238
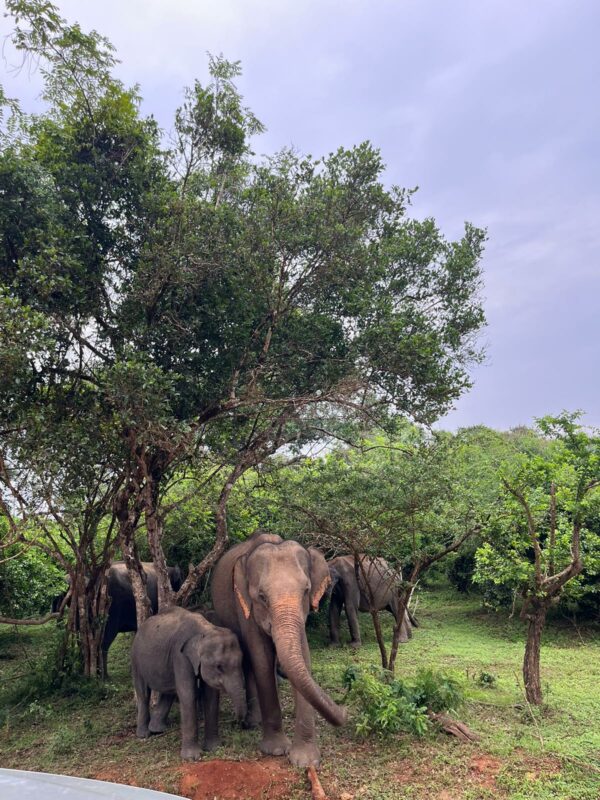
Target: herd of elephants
x=262, y=591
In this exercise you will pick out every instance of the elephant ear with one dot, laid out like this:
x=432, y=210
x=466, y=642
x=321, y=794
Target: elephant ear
x=240, y=586
x=193, y=649
x=319, y=577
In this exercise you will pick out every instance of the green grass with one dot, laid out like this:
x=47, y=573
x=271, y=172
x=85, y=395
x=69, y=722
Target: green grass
x=522, y=753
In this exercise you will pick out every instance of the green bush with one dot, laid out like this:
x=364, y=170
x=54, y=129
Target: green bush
x=486, y=679
x=28, y=583
x=389, y=705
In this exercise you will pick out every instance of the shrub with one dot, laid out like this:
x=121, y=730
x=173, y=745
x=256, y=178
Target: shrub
x=486, y=679
x=28, y=583
x=389, y=705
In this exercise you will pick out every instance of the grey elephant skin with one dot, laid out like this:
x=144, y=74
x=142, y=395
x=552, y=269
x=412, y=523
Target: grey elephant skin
x=121, y=616
x=354, y=594
x=263, y=589
x=180, y=654
x=121, y=613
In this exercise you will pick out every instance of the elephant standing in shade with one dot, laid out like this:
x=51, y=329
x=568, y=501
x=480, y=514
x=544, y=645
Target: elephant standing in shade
x=262, y=589
x=354, y=594
x=121, y=613
x=179, y=653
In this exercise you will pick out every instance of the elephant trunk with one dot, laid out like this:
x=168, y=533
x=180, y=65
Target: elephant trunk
x=290, y=641
x=237, y=692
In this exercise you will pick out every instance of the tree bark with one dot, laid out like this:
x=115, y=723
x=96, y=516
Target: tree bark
x=154, y=530
x=536, y=618
x=128, y=517
x=380, y=638
x=404, y=595
x=196, y=573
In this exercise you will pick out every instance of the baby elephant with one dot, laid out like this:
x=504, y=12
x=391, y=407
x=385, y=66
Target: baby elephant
x=174, y=653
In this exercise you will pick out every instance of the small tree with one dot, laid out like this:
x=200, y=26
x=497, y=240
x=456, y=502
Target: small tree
x=57, y=489
x=538, y=543
x=410, y=499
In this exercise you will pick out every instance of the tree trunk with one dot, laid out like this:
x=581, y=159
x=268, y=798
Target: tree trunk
x=380, y=638
x=87, y=621
x=404, y=595
x=128, y=517
x=137, y=576
x=154, y=472
x=196, y=573
x=536, y=619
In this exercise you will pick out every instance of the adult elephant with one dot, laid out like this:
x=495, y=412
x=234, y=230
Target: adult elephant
x=262, y=589
x=370, y=586
x=121, y=613
x=121, y=616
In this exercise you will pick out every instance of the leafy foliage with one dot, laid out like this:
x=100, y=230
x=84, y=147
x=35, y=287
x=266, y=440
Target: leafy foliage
x=28, y=582
x=388, y=705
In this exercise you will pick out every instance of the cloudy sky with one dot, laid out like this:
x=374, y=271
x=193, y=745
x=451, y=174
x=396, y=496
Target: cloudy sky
x=491, y=107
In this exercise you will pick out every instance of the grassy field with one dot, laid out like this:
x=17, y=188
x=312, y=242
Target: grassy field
x=554, y=753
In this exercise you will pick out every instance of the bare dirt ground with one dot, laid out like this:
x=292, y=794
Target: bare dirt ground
x=266, y=779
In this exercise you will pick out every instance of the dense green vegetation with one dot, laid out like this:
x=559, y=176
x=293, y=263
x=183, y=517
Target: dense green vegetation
x=195, y=343
x=523, y=753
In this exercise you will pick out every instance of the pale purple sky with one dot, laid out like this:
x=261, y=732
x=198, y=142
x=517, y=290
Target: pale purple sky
x=491, y=107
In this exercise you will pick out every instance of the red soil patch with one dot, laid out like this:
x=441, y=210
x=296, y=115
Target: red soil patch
x=480, y=771
x=267, y=779
x=116, y=775
x=484, y=769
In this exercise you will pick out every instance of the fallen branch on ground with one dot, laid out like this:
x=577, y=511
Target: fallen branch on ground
x=30, y=620
x=316, y=789
x=453, y=727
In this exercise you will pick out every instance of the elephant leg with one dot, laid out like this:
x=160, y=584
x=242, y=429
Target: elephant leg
x=142, y=696
x=274, y=741
x=304, y=751
x=353, y=624
x=185, y=682
x=335, y=609
x=210, y=706
x=253, y=715
x=110, y=634
x=160, y=712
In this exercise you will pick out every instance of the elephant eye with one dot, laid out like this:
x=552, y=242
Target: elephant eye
x=263, y=598
x=219, y=667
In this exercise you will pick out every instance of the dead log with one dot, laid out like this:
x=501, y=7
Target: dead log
x=453, y=727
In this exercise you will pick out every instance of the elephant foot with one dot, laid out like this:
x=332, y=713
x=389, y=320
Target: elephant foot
x=211, y=744
x=356, y=645
x=275, y=744
x=305, y=754
x=252, y=719
x=191, y=752
x=157, y=726
x=142, y=732
x=334, y=644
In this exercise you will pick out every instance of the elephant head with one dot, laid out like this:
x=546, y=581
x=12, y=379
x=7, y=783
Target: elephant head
x=276, y=584
x=216, y=657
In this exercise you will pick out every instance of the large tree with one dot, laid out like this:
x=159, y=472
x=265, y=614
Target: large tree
x=216, y=304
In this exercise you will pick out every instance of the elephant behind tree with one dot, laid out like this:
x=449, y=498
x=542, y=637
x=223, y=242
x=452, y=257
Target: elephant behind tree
x=121, y=616
x=355, y=594
x=179, y=653
x=121, y=613
x=262, y=589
